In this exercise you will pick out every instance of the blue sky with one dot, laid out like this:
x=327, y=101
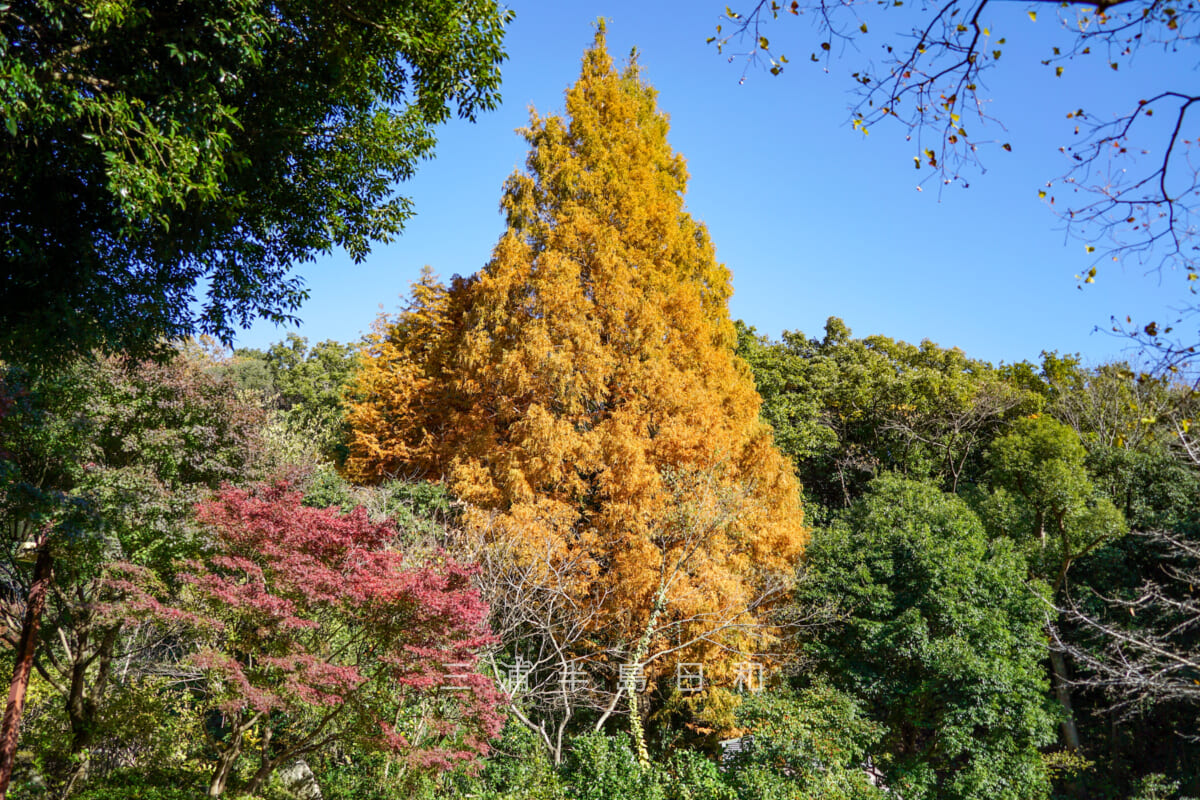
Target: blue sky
x=813, y=219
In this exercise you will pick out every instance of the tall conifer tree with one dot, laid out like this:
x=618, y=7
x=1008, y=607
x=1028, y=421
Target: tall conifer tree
x=582, y=395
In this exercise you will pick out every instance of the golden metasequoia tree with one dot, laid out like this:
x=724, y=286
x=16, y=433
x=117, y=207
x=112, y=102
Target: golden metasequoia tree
x=571, y=388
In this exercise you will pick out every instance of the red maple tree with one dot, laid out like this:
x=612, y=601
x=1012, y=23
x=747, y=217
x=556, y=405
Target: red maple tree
x=310, y=626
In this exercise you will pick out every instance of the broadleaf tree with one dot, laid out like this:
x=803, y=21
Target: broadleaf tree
x=151, y=148
x=940, y=637
x=103, y=462
x=846, y=409
x=309, y=627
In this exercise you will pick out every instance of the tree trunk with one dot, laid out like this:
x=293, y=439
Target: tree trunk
x=43, y=574
x=635, y=728
x=1062, y=689
x=83, y=701
x=225, y=762
x=266, y=764
x=80, y=714
x=77, y=777
x=260, y=777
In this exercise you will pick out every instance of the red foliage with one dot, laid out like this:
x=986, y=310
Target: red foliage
x=309, y=610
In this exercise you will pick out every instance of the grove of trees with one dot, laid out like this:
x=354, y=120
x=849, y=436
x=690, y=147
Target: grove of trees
x=561, y=528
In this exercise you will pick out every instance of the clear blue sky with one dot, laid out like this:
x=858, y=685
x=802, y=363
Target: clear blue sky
x=813, y=219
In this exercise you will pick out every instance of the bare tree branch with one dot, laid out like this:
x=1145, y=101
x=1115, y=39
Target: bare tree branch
x=1141, y=648
x=1132, y=178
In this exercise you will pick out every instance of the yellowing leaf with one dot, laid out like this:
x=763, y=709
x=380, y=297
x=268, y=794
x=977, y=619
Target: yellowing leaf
x=575, y=411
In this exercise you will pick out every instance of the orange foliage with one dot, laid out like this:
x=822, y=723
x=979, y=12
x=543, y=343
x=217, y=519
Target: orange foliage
x=582, y=390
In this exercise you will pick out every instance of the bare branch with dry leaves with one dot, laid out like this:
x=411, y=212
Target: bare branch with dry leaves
x=1132, y=176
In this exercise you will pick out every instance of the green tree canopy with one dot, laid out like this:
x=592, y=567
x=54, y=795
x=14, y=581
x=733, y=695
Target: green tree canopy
x=106, y=460
x=845, y=409
x=150, y=148
x=940, y=637
x=1044, y=498
x=304, y=384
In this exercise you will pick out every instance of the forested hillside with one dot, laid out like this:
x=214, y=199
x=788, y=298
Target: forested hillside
x=1074, y=488
x=563, y=529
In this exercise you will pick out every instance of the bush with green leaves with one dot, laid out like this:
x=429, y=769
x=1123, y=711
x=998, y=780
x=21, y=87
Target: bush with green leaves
x=1157, y=787
x=602, y=767
x=518, y=768
x=691, y=775
x=813, y=744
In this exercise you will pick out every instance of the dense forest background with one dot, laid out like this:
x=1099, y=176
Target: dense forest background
x=990, y=546
x=563, y=529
